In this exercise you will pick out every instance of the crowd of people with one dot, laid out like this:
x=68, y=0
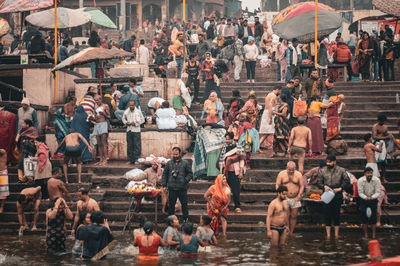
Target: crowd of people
x=298, y=120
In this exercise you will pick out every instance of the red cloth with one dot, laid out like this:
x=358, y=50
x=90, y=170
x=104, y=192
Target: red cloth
x=208, y=65
x=342, y=54
x=42, y=156
x=218, y=207
x=332, y=124
x=7, y=132
x=150, y=250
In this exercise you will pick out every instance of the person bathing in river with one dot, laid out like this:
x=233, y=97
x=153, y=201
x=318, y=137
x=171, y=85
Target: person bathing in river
x=148, y=244
x=171, y=234
x=85, y=203
x=294, y=182
x=73, y=150
x=205, y=233
x=189, y=242
x=278, y=218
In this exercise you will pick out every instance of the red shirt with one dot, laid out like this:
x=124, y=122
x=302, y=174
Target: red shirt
x=208, y=65
x=150, y=250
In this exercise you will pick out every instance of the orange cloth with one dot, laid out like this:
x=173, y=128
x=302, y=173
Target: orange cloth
x=219, y=203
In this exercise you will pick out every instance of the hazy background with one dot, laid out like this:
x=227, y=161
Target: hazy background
x=251, y=4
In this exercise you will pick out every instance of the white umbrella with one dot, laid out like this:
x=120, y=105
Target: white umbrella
x=66, y=18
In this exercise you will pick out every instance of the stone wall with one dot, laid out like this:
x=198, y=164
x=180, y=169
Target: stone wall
x=159, y=143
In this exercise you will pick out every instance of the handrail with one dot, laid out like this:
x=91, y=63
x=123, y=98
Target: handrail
x=11, y=87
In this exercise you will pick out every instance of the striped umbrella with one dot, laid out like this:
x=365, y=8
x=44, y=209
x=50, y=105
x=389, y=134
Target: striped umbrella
x=297, y=21
x=391, y=7
x=66, y=18
x=14, y=6
x=91, y=54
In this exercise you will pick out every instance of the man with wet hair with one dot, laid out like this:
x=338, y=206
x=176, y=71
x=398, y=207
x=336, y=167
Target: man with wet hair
x=84, y=204
x=278, y=218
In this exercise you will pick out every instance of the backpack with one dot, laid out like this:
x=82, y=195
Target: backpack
x=337, y=146
x=229, y=52
x=248, y=143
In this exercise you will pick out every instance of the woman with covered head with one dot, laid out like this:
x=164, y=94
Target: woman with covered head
x=218, y=198
x=235, y=104
x=81, y=125
x=61, y=127
x=213, y=108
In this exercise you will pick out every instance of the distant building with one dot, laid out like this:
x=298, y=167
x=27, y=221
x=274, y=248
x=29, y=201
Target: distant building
x=276, y=5
x=138, y=11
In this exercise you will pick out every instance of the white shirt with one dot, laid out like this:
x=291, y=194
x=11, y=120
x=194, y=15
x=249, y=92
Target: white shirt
x=144, y=55
x=251, y=52
x=369, y=189
x=136, y=117
x=152, y=102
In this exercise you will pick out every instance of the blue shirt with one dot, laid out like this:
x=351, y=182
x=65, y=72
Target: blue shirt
x=139, y=89
x=192, y=247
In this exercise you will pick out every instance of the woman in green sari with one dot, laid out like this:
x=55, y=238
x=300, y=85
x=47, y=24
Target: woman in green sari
x=282, y=130
x=61, y=128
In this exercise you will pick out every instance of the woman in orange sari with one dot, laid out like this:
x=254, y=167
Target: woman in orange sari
x=218, y=198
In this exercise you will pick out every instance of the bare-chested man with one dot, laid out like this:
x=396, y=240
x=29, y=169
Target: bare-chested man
x=381, y=132
x=294, y=182
x=85, y=203
x=72, y=150
x=70, y=108
x=100, y=129
x=56, y=187
x=267, y=126
x=4, y=190
x=27, y=196
x=278, y=218
x=369, y=150
x=299, y=137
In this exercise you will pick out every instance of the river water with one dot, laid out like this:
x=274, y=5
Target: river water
x=238, y=249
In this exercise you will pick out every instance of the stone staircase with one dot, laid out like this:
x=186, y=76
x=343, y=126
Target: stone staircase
x=364, y=102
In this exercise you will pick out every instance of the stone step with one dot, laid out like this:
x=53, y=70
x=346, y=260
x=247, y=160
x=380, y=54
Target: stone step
x=72, y=178
x=96, y=195
x=71, y=187
x=11, y=228
x=198, y=196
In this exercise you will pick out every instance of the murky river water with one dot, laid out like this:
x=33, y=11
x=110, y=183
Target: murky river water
x=239, y=248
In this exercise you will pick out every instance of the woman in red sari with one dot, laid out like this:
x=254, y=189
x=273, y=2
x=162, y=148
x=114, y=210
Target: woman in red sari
x=332, y=120
x=218, y=198
x=364, y=55
x=251, y=109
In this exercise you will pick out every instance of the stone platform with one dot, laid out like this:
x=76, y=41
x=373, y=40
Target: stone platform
x=154, y=141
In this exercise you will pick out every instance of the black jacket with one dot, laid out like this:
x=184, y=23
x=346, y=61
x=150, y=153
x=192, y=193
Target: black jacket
x=258, y=29
x=177, y=175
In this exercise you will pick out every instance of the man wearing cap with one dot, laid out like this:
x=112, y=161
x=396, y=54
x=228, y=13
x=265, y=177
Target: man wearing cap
x=177, y=49
x=26, y=112
x=369, y=189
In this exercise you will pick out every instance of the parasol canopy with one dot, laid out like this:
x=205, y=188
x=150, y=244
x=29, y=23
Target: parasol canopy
x=99, y=18
x=4, y=27
x=391, y=7
x=297, y=21
x=91, y=54
x=66, y=18
x=14, y=6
